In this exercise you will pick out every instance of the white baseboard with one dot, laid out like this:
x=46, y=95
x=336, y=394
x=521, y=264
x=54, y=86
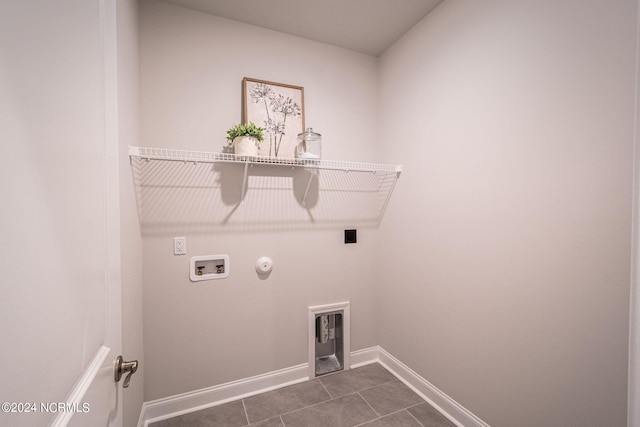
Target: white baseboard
x=448, y=407
x=366, y=356
x=212, y=396
x=180, y=404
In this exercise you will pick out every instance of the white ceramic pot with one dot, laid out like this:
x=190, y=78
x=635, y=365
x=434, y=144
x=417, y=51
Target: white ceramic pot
x=245, y=146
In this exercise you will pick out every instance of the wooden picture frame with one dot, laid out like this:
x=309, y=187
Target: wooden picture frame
x=279, y=109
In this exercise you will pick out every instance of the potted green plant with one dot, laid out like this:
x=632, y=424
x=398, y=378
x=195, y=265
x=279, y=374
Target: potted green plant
x=245, y=138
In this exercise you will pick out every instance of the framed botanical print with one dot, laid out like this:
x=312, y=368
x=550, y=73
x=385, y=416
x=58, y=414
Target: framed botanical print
x=279, y=109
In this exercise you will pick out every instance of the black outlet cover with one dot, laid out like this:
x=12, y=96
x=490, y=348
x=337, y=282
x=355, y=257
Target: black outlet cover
x=350, y=236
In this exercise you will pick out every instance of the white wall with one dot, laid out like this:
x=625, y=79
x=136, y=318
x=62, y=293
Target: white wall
x=510, y=229
x=55, y=183
x=192, y=65
x=508, y=234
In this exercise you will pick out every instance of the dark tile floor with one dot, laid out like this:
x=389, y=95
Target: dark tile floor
x=366, y=396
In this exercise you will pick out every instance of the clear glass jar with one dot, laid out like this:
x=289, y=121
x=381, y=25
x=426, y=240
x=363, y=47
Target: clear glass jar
x=309, y=145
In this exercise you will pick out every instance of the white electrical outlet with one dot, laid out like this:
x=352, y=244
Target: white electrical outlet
x=179, y=246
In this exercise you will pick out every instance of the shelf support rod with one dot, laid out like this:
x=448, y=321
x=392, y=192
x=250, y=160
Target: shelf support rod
x=244, y=184
x=306, y=191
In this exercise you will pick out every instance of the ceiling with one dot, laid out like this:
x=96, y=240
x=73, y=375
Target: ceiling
x=367, y=26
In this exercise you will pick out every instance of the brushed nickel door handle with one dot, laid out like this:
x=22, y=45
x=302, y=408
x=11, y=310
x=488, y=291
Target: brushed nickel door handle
x=122, y=368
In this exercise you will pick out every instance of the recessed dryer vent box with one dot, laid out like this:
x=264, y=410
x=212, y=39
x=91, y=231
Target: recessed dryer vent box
x=209, y=267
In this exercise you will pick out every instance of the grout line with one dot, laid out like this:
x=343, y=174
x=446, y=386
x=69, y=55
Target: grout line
x=305, y=407
x=246, y=414
x=414, y=417
x=365, y=401
x=325, y=388
x=379, y=384
x=366, y=422
x=388, y=415
x=294, y=410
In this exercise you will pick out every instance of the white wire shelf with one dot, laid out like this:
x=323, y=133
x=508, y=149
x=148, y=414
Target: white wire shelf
x=148, y=153
x=205, y=191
